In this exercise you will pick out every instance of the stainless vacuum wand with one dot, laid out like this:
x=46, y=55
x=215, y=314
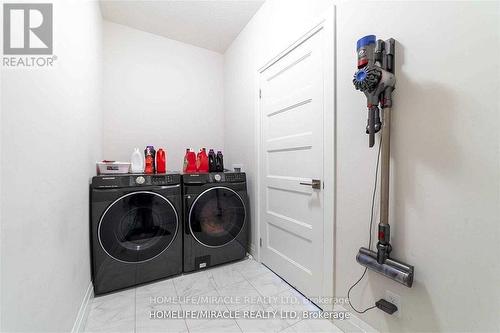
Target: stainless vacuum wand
x=375, y=78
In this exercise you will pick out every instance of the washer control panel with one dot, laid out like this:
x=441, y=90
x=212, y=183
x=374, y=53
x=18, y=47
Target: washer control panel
x=117, y=181
x=163, y=180
x=157, y=180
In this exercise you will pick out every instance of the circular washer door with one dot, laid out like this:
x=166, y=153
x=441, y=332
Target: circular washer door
x=138, y=227
x=217, y=216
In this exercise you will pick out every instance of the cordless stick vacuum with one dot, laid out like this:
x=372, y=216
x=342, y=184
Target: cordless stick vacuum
x=375, y=78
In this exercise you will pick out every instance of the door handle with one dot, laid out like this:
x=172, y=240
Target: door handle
x=315, y=184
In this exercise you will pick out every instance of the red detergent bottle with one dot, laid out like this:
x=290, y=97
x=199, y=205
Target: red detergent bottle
x=198, y=161
x=190, y=163
x=203, y=160
x=161, y=161
x=149, y=157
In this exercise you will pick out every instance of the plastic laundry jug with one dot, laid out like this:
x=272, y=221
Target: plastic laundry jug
x=161, y=161
x=198, y=161
x=219, y=162
x=185, y=163
x=211, y=161
x=202, y=161
x=137, y=161
x=149, y=158
x=191, y=162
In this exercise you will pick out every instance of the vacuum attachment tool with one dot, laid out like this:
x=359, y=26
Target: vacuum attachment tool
x=375, y=78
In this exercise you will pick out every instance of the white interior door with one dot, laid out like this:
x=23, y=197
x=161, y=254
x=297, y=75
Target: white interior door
x=292, y=211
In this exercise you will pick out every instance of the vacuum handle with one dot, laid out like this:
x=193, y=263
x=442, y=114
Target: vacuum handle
x=390, y=48
x=372, y=110
x=385, y=156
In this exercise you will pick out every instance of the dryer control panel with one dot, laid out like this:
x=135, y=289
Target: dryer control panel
x=214, y=177
x=235, y=177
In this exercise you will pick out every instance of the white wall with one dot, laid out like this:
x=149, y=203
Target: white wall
x=445, y=203
x=445, y=208
x=159, y=92
x=50, y=139
x=276, y=25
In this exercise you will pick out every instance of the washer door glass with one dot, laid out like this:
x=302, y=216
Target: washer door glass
x=138, y=227
x=217, y=216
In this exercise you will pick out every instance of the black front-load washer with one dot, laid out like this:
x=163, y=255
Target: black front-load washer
x=216, y=219
x=135, y=229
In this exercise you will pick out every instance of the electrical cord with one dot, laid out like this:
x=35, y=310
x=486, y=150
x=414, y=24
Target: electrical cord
x=370, y=235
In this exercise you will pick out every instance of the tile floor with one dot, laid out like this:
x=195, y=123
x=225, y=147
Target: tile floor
x=244, y=287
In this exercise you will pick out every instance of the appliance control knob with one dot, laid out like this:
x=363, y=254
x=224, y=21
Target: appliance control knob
x=140, y=180
x=217, y=178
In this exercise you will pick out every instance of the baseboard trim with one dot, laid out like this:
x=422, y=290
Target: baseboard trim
x=83, y=312
x=353, y=324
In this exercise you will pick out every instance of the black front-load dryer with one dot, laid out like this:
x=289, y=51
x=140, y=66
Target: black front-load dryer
x=216, y=219
x=135, y=229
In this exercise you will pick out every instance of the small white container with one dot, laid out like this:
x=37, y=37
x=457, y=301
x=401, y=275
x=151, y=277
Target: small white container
x=137, y=161
x=113, y=167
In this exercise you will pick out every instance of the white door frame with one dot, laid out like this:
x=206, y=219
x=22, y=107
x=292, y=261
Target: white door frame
x=327, y=23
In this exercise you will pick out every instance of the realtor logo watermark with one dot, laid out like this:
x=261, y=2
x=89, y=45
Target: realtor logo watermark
x=28, y=35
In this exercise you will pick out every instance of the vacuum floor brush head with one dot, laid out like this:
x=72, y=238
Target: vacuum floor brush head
x=395, y=270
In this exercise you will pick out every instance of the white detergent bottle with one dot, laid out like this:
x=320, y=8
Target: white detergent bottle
x=137, y=161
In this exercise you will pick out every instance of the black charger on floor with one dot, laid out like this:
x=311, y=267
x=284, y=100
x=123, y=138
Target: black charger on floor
x=386, y=306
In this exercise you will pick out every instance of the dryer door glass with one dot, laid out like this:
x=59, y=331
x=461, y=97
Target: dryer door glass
x=138, y=227
x=217, y=216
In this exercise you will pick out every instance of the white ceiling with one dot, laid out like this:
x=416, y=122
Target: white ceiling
x=211, y=24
